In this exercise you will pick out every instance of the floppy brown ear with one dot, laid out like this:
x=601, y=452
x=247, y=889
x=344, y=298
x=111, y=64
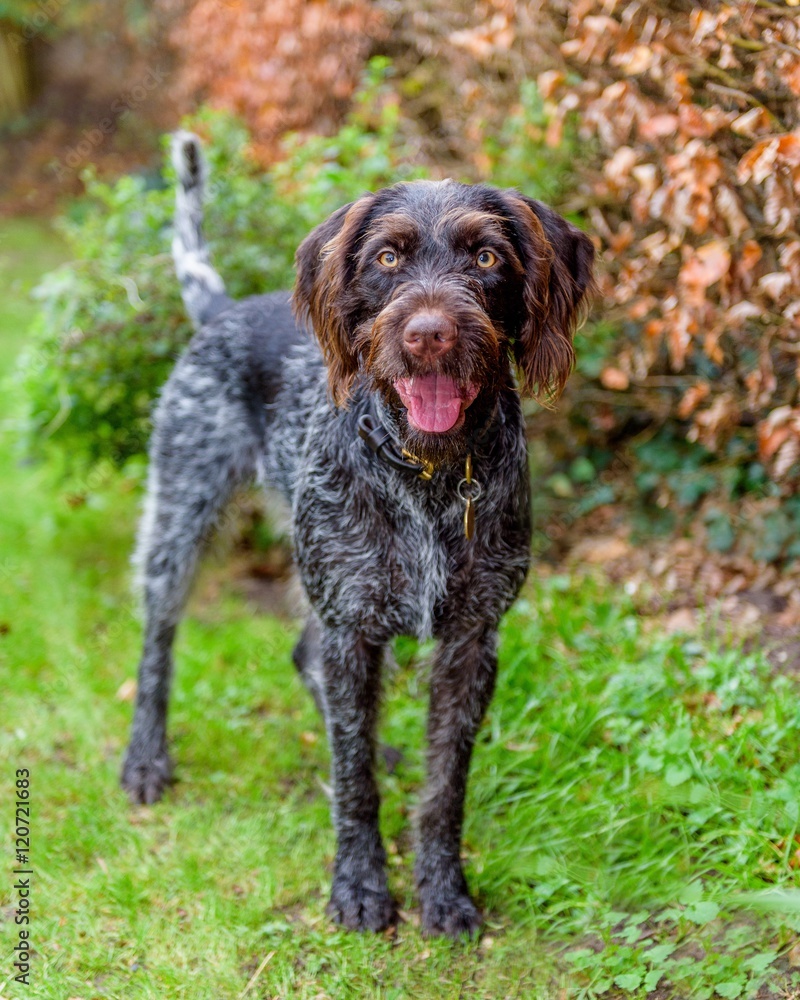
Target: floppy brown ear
x=325, y=266
x=558, y=260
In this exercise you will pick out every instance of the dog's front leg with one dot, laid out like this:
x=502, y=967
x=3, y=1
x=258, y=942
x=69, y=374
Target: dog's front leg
x=462, y=683
x=351, y=670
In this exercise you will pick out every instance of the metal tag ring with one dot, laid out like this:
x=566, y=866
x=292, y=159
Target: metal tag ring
x=474, y=486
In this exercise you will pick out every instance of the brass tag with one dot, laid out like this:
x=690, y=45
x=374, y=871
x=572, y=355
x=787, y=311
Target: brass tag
x=469, y=520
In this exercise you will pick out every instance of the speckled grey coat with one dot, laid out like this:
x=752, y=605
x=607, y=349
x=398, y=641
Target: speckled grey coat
x=380, y=552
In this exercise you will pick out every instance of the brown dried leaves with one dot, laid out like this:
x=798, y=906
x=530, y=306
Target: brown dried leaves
x=282, y=65
x=696, y=198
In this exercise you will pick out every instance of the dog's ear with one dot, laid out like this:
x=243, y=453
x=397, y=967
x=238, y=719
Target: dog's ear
x=325, y=267
x=557, y=259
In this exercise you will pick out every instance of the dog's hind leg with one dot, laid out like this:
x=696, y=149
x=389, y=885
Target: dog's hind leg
x=307, y=657
x=207, y=443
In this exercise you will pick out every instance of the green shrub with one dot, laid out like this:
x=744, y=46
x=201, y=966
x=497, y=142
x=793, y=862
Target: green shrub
x=519, y=156
x=111, y=322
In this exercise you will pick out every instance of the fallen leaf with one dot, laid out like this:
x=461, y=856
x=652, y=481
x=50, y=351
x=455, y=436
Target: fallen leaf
x=127, y=690
x=750, y=122
x=548, y=82
x=775, y=284
x=658, y=126
x=614, y=378
x=692, y=398
x=707, y=265
x=601, y=549
x=682, y=620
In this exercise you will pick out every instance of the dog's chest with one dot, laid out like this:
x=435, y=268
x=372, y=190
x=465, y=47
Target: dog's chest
x=371, y=557
x=419, y=561
x=384, y=554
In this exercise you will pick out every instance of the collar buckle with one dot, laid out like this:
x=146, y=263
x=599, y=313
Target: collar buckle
x=428, y=468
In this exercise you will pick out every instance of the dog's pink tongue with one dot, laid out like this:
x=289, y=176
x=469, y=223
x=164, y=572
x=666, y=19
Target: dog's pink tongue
x=433, y=402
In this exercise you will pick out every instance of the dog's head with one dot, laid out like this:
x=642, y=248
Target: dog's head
x=428, y=289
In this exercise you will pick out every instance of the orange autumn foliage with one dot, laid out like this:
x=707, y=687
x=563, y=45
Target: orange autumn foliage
x=281, y=65
x=695, y=196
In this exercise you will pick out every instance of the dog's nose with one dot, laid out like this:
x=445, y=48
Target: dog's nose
x=429, y=335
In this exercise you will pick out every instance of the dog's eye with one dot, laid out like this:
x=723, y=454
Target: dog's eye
x=388, y=258
x=486, y=259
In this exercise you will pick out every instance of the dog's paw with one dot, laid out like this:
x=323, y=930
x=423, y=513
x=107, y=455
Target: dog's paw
x=449, y=913
x=144, y=777
x=361, y=909
x=447, y=907
x=453, y=915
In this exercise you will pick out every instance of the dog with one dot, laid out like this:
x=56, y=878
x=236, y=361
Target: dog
x=381, y=401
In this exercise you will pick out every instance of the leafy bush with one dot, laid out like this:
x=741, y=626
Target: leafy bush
x=692, y=188
x=112, y=322
x=236, y=55
x=519, y=156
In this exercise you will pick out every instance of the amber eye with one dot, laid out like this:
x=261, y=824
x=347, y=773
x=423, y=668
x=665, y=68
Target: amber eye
x=486, y=259
x=388, y=258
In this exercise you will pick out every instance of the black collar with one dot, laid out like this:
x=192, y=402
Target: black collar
x=381, y=442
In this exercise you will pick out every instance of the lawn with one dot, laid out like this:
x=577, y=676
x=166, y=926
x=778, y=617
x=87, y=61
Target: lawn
x=633, y=810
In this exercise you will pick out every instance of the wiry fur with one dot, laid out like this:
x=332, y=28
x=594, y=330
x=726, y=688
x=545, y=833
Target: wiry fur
x=380, y=553
x=202, y=288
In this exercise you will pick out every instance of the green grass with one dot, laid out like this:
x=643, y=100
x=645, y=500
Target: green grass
x=632, y=797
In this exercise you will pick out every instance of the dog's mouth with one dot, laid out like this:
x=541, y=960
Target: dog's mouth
x=435, y=403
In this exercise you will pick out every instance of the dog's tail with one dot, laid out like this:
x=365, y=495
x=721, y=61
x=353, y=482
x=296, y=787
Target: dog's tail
x=202, y=287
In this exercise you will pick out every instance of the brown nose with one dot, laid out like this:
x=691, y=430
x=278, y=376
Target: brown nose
x=429, y=335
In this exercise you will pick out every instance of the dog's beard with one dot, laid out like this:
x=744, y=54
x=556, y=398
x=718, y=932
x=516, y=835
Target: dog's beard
x=436, y=408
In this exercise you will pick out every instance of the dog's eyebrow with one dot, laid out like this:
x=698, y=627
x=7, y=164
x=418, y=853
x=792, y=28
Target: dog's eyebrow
x=474, y=226
x=396, y=228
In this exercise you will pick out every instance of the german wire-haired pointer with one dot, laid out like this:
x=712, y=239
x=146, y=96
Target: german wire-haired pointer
x=396, y=436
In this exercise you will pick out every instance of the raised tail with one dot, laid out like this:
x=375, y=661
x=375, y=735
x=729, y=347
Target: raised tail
x=202, y=288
